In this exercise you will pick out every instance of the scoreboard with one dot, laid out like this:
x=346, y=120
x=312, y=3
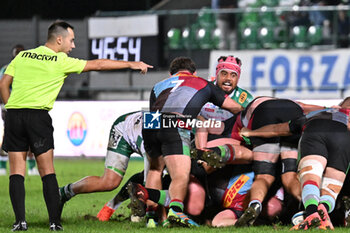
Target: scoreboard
x=125, y=48
x=130, y=38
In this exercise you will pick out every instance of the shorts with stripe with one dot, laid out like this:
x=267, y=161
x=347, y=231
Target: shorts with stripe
x=118, y=152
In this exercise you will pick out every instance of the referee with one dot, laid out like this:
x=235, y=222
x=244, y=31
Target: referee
x=36, y=76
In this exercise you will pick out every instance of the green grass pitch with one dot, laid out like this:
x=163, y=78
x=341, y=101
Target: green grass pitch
x=79, y=213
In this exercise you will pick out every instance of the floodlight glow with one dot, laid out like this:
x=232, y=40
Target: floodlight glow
x=185, y=33
x=170, y=33
x=201, y=33
x=295, y=8
x=312, y=29
x=247, y=32
x=263, y=31
x=296, y=30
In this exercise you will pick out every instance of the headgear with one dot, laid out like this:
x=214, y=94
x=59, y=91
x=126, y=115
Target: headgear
x=229, y=63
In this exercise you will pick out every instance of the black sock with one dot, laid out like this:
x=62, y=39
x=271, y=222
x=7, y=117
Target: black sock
x=17, y=195
x=51, y=196
x=325, y=206
x=153, y=195
x=137, y=178
x=310, y=209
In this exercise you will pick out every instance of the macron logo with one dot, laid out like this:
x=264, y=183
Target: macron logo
x=151, y=120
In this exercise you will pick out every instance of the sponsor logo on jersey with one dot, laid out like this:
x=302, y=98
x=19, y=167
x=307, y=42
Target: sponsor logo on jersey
x=242, y=97
x=39, y=56
x=77, y=129
x=233, y=190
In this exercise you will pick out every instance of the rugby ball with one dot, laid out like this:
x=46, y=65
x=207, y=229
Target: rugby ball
x=298, y=218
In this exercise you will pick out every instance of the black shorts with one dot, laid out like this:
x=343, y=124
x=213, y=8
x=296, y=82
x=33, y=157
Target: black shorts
x=272, y=112
x=329, y=139
x=28, y=129
x=166, y=141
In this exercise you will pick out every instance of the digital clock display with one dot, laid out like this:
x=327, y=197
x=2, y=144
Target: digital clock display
x=144, y=49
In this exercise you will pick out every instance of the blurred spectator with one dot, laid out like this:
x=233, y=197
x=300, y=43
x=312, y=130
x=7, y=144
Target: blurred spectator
x=226, y=23
x=343, y=29
x=296, y=18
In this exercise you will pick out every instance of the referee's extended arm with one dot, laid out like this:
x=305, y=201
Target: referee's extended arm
x=107, y=64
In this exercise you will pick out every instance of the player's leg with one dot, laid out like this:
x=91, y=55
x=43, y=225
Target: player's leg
x=310, y=171
x=17, y=162
x=223, y=151
x=332, y=183
x=264, y=166
x=111, y=206
x=289, y=177
x=116, y=163
x=50, y=188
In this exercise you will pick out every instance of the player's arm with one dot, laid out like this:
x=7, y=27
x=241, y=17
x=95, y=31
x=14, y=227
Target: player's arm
x=268, y=131
x=201, y=136
x=307, y=108
x=231, y=105
x=107, y=64
x=5, y=84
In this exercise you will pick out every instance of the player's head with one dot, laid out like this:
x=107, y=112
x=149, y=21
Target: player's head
x=228, y=71
x=345, y=103
x=16, y=49
x=182, y=64
x=61, y=35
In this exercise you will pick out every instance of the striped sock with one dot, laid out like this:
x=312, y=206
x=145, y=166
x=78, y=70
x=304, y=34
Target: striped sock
x=328, y=202
x=310, y=196
x=227, y=152
x=177, y=205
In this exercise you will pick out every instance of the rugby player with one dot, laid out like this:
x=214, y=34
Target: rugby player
x=266, y=151
x=183, y=94
x=125, y=138
x=324, y=160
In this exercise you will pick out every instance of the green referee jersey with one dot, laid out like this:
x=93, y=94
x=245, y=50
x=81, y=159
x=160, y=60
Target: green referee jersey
x=38, y=75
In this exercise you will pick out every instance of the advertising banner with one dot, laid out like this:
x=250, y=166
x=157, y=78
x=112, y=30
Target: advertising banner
x=292, y=73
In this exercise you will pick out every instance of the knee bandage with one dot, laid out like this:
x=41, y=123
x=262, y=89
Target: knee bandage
x=264, y=167
x=310, y=166
x=289, y=165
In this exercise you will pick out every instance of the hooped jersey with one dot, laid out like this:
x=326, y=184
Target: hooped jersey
x=211, y=111
x=229, y=186
x=130, y=126
x=340, y=115
x=184, y=93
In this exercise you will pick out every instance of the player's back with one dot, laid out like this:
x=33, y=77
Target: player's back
x=182, y=93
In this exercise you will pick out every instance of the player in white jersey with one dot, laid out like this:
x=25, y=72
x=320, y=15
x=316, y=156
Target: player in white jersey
x=125, y=138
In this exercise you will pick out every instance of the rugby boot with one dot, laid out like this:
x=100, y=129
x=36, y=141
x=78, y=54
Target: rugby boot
x=105, y=213
x=312, y=221
x=20, y=226
x=179, y=219
x=346, y=204
x=56, y=227
x=326, y=223
x=137, y=206
x=211, y=157
x=249, y=216
x=151, y=223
